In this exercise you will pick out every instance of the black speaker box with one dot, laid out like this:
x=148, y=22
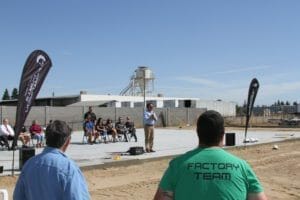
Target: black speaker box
x=25, y=154
x=230, y=139
x=136, y=150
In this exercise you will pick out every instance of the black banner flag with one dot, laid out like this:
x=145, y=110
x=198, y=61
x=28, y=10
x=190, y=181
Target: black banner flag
x=253, y=89
x=34, y=73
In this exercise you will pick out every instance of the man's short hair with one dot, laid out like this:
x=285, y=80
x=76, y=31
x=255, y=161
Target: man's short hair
x=210, y=128
x=57, y=133
x=149, y=104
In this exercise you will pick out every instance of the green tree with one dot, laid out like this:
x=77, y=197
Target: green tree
x=295, y=103
x=278, y=103
x=15, y=94
x=6, y=95
x=287, y=103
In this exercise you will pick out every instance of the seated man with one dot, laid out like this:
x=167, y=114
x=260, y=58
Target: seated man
x=121, y=129
x=6, y=133
x=37, y=133
x=131, y=128
x=24, y=137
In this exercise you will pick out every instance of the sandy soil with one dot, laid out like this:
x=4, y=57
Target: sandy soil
x=278, y=170
x=242, y=128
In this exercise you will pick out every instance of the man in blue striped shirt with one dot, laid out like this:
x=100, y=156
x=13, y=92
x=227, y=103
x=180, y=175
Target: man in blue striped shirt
x=149, y=121
x=51, y=174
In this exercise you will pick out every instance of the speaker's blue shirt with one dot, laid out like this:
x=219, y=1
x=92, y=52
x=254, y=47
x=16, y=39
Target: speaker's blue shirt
x=149, y=117
x=51, y=175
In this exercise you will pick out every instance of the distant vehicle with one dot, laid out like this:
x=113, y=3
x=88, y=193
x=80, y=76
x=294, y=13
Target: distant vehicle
x=290, y=122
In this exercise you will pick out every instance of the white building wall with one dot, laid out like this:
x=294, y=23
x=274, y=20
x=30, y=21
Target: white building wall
x=131, y=104
x=118, y=104
x=91, y=97
x=176, y=103
x=159, y=103
x=298, y=108
x=225, y=108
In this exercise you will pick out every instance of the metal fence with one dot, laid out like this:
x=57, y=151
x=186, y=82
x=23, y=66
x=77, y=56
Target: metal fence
x=74, y=115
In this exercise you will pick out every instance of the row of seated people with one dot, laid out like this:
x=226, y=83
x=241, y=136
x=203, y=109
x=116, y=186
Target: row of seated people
x=7, y=134
x=105, y=129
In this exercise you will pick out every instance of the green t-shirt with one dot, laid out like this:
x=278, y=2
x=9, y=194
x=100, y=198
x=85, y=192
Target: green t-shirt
x=209, y=173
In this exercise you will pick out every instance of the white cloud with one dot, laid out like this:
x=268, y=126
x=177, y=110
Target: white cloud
x=201, y=81
x=274, y=85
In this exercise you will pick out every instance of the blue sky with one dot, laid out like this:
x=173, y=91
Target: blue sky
x=206, y=49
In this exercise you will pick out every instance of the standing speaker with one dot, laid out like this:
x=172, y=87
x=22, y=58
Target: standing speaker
x=230, y=139
x=25, y=154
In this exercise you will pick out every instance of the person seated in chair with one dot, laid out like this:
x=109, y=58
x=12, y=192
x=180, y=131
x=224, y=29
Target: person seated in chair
x=6, y=133
x=37, y=133
x=101, y=130
x=121, y=129
x=89, y=128
x=131, y=128
x=24, y=136
x=111, y=130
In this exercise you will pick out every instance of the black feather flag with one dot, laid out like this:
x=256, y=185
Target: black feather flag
x=34, y=73
x=253, y=89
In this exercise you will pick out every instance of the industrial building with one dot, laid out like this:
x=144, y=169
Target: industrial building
x=226, y=108
x=84, y=99
x=140, y=90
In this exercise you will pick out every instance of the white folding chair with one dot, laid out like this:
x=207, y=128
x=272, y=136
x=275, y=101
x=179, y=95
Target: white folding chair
x=3, y=194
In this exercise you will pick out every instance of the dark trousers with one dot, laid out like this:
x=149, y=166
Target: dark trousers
x=133, y=134
x=4, y=140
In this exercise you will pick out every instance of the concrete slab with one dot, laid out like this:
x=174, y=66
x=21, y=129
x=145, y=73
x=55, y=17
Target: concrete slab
x=167, y=142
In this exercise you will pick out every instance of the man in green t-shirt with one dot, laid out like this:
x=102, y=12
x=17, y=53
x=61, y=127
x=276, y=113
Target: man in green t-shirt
x=208, y=172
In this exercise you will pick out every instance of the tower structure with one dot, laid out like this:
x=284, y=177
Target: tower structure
x=141, y=81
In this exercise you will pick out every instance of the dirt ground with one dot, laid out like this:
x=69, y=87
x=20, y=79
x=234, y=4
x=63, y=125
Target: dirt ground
x=278, y=170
